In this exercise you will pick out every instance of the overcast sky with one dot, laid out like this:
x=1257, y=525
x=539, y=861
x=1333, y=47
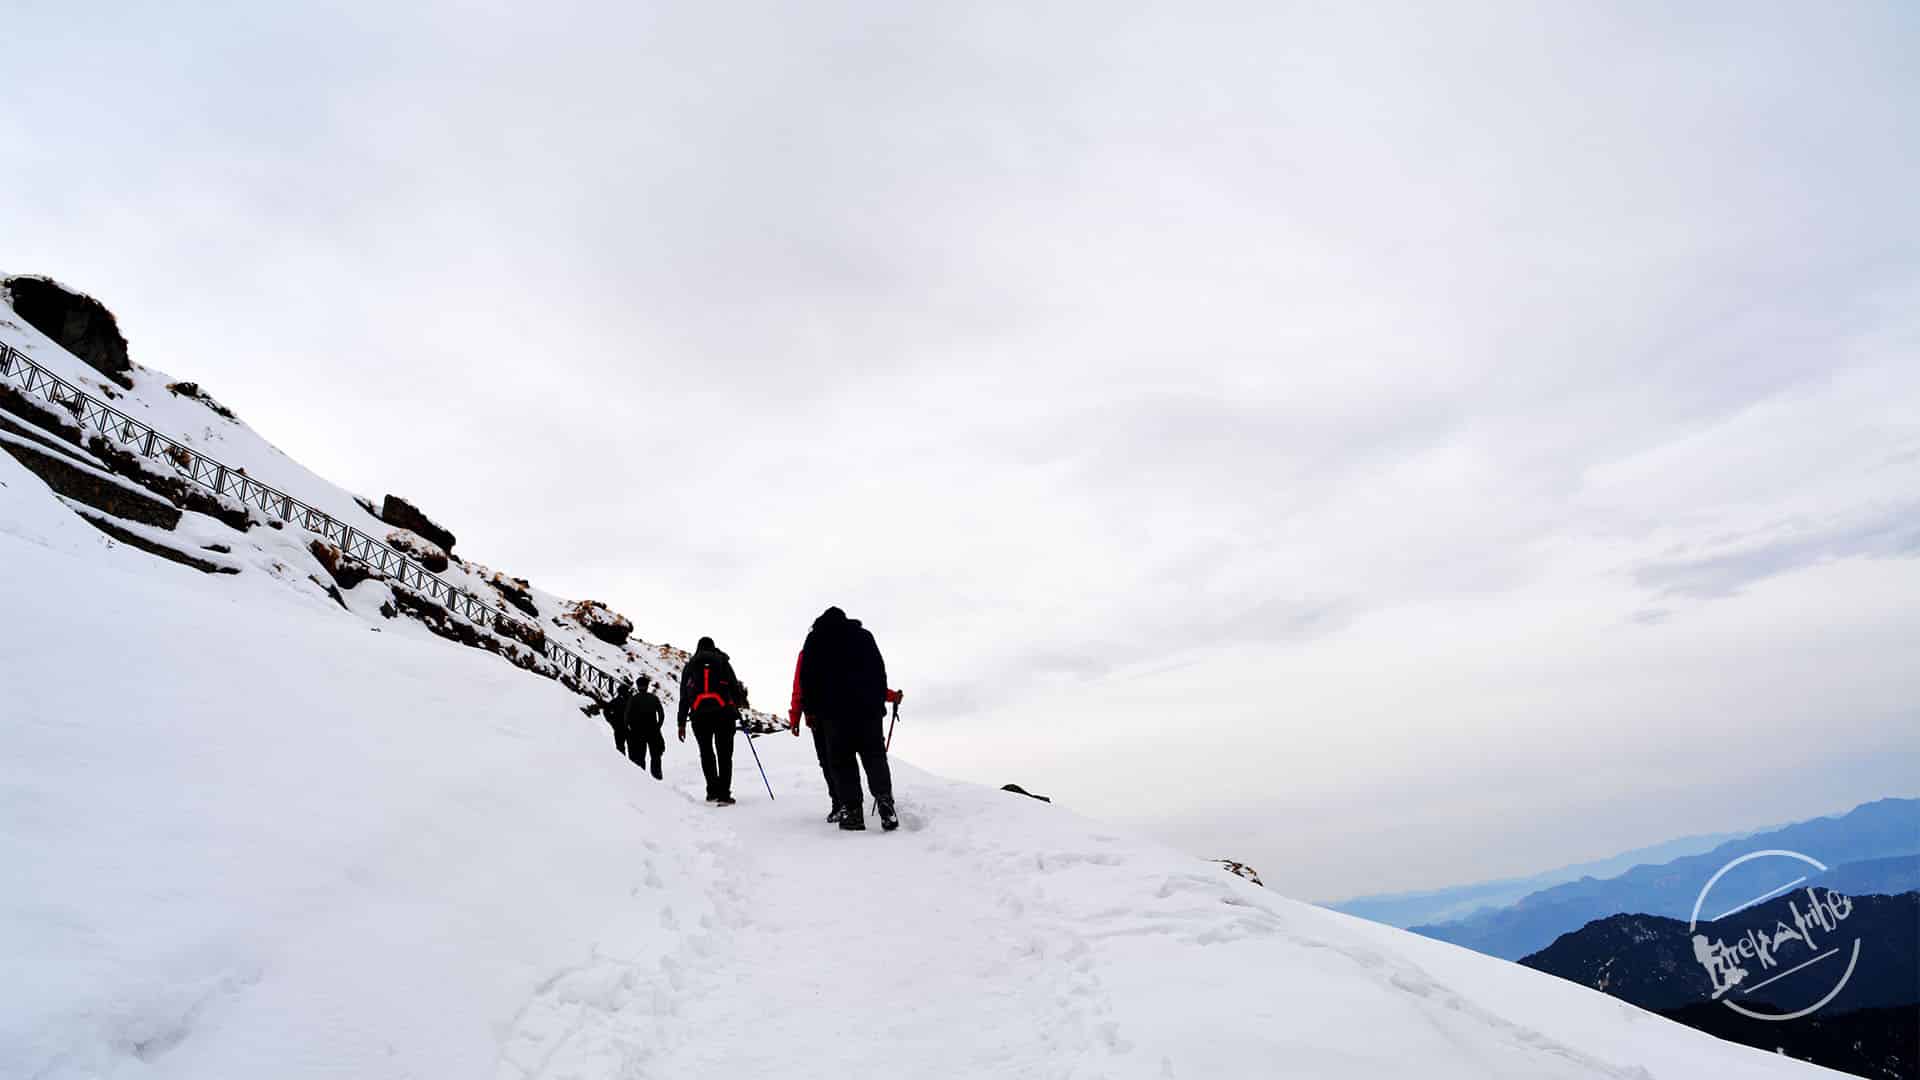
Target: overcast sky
x=1390, y=446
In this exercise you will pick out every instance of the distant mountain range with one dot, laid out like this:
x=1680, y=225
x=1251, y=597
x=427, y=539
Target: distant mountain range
x=1459, y=901
x=1648, y=960
x=1866, y=835
x=1870, y=1028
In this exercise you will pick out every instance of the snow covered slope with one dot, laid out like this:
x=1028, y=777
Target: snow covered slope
x=241, y=841
x=183, y=411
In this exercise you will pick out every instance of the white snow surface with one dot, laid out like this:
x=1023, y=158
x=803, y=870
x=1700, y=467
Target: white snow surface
x=246, y=834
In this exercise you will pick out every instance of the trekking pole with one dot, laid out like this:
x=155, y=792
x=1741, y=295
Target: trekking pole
x=756, y=760
x=889, y=746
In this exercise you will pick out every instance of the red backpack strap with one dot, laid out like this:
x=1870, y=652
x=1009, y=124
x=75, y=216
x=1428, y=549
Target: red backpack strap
x=707, y=692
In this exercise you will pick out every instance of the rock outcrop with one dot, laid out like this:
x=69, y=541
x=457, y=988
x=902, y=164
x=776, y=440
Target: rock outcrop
x=77, y=322
x=403, y=514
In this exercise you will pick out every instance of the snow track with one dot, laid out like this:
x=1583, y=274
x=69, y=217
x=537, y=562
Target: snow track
x=997, y=936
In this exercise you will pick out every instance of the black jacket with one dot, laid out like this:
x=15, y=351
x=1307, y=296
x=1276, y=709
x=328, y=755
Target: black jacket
x=703, y=658
x=841, y=671
x=617, y=709
x=646, y=709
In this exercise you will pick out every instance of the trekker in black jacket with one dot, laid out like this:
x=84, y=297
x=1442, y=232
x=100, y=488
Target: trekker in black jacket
x=843, y=681
x=711, y=696
x=616, y=711
x=645, y=718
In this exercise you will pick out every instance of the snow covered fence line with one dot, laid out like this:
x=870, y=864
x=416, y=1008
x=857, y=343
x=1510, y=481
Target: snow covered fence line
x=228, y=482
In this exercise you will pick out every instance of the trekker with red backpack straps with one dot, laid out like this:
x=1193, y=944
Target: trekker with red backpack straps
x=712, y=697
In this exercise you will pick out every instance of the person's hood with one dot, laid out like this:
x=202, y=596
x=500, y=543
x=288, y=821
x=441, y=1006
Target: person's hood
x=833, y=617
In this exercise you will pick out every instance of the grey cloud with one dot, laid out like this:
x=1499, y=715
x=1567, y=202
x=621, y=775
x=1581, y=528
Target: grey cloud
x=1892, y=533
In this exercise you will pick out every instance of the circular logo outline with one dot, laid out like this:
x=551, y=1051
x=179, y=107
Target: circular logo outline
x=1694, y=921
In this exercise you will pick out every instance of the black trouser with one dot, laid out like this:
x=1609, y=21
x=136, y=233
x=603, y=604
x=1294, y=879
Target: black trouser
x=713, y=731
x=645, y=737
x=852, y=743
x=619, y=737
x=824, y=754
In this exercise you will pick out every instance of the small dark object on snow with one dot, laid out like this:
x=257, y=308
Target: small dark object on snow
x=193, y=390
x=1240, y=869
x=1018, y=790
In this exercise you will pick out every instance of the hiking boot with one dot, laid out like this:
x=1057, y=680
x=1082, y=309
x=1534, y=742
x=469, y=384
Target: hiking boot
x=852, y=822
x=888, y=819
x=837, y=813
x=724, y=800
x=656, y=771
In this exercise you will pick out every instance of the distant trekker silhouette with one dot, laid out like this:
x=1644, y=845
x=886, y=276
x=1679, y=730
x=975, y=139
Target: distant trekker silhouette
x=645, y=718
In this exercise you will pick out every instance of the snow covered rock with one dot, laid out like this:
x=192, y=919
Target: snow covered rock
x=398, y=511
x=1242, y=870
x=80, y=324
x=424, y=551
x=602, y=622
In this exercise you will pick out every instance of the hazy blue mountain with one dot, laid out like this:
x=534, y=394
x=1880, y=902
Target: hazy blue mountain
x=1458, y=901
x=1876, y=830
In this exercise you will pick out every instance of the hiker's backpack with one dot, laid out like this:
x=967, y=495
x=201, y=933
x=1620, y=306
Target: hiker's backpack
x=711, y=687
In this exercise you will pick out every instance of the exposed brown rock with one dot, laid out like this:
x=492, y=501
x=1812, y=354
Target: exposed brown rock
x=39, y=415
x=135, y=540
x=419, y=548
x=83, y=484
x=398, y=511
x=526, y=633
x=76, y=322
x=515, y=592
x=127, y=463
x=602, y=622
x=192, y=390
x=1240, y=869
x=346, y=572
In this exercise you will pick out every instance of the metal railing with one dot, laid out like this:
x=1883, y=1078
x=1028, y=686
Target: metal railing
x=94, y=415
